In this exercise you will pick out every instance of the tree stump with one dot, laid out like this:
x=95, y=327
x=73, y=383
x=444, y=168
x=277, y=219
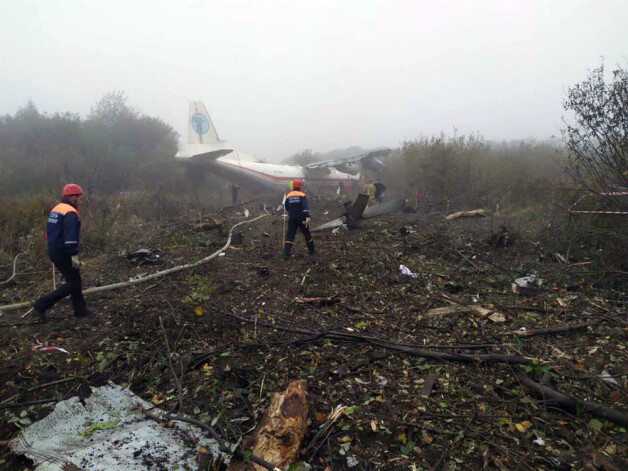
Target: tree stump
x=279, y=434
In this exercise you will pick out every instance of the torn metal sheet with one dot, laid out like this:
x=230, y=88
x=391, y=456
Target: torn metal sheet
x=110, y=431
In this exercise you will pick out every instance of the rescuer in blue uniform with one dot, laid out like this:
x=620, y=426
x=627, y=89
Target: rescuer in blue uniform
x=63, y=232
x=298, y=218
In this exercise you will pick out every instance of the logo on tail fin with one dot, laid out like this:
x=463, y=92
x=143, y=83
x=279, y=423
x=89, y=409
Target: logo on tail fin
x=199, y=123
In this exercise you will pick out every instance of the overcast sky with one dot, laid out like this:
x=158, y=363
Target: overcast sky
x=281, y=76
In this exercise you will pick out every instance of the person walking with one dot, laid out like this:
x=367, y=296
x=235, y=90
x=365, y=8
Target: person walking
x=379, y=191
x=369, y=189
x=298, y=218
x=234, y=193
x=63, y=233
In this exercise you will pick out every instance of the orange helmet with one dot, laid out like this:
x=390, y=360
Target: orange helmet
x=72, y=189
x=296, y=183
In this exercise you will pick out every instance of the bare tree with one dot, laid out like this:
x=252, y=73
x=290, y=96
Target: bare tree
x=597, y=139
x=111, y=108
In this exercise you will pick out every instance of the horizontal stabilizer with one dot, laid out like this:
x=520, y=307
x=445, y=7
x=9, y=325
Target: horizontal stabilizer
x=329, y=225
x=383, y=208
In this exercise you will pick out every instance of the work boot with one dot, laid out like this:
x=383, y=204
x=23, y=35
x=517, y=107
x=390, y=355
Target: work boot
x=85, y=313
x=40, y=315
x=287, y=248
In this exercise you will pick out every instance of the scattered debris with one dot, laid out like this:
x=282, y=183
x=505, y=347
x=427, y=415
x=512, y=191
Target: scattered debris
x=144, y=257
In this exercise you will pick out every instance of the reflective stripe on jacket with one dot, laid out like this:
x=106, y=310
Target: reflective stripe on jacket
x=64, y=227
x=296, y=205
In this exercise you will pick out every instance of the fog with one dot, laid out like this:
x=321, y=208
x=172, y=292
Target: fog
x=282, y=76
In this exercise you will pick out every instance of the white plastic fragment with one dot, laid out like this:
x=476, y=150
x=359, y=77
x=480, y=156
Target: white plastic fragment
x=406, y=271
x=352, y=461
x=608, y=379
x=529, y=281
x=109, y=431
x=540, y=441
x=44, y=347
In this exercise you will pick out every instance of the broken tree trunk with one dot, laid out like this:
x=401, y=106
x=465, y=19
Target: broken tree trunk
x=280, y=432
x=572, y=405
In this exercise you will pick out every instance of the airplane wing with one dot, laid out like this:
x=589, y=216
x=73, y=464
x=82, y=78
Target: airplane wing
x=370, y=160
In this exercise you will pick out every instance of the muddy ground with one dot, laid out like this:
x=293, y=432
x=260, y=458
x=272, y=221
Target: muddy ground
x=239, y=329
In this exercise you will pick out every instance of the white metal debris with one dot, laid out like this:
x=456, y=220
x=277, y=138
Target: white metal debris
x=406, y=271
x=109, y=431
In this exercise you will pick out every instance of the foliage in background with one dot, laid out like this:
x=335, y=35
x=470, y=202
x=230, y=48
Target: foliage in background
x=468, y=170
x=115, y=149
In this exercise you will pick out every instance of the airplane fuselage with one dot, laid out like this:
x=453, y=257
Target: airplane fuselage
x=204, y=149
x=241, y=168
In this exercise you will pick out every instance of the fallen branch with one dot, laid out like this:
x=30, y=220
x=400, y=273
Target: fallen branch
x=319, y=301
x=159, y=274
x=572, y=405
x=555, y=330
x=221, y=444
x=412, y=349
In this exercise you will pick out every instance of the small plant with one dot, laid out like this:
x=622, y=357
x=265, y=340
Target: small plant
x=536, y=367
x=201, y=290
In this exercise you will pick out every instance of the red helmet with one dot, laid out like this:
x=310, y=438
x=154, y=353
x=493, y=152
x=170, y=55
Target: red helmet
x=296, y=183
x=72, y=189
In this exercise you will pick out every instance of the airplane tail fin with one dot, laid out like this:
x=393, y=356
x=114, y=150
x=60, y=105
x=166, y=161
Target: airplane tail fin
x=201, y=130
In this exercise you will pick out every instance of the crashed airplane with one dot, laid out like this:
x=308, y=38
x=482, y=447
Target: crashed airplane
x=206, y=150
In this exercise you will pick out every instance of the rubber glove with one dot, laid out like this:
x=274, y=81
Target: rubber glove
x=307, y=222
x=75, y=261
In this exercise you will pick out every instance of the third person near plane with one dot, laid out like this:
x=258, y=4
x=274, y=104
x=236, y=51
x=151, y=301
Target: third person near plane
x=298, y=218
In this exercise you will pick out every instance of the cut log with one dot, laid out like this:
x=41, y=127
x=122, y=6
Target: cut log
x=474, y=213
x=280, y=432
